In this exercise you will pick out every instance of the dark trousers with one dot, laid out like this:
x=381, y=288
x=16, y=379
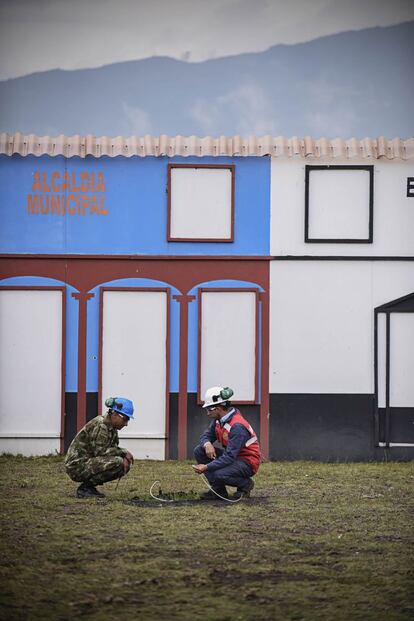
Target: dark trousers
x=236, y=474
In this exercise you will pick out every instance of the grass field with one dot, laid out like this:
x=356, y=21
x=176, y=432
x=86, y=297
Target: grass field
x=316, y=541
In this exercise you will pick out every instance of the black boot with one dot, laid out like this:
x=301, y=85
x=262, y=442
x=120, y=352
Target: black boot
x=87, y=490
x=244, y=492
x=210, y=495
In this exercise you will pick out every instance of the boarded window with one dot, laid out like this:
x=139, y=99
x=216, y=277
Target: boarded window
x=201, y=203
x=339, y=204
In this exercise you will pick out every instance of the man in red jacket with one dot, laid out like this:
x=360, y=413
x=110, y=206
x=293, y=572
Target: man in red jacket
x=239, y=459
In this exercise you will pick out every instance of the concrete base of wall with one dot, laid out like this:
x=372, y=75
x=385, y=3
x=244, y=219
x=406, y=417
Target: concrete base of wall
x=30, y=447
x=324, y=427
x=329, y=427
x=144, y=448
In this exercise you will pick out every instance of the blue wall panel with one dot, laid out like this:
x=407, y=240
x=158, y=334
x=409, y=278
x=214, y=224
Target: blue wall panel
x=22, y=232
x=118, y=206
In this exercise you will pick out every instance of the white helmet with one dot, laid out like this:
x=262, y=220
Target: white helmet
x=217, y=395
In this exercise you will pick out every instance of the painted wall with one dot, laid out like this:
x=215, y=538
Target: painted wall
x=322, y=322
x=88, y=278
x=323, y=398
x=118, y=206
x=320, y=376
x=393, y=211
x=324, y=401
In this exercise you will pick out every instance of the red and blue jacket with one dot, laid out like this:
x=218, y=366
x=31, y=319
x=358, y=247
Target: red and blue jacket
x=238, y=439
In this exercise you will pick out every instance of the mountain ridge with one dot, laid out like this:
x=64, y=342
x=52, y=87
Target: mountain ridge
x=350, y=84
x=217, y=58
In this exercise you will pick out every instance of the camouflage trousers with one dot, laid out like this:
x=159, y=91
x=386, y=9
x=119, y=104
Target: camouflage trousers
x=96, y=470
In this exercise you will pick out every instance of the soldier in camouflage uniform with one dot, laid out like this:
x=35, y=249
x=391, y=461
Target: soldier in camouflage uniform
x=94, y=457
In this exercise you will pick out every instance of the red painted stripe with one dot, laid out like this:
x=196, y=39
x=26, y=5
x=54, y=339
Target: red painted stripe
x=82, y=298
x=183, y=365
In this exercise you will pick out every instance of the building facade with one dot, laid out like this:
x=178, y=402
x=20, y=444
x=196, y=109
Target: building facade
x=156, y=267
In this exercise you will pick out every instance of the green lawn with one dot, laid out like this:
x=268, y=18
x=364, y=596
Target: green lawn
x=317, y=541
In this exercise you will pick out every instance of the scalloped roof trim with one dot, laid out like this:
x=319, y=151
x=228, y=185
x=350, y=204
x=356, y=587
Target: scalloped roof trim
x=170, y=146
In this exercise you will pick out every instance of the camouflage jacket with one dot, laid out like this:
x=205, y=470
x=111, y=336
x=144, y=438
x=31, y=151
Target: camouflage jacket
x=96, y=439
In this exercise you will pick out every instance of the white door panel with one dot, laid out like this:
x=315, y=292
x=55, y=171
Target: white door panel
x=134, y=357
x=402, y=360
x=228, y=342
x=31, y=367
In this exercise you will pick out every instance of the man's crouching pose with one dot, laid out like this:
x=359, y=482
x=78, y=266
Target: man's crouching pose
x=94, y=457
x=239, y=459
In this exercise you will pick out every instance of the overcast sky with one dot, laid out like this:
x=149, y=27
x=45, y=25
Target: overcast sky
x=37, y=35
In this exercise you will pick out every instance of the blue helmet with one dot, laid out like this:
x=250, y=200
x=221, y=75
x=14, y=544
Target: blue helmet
x=120, y=405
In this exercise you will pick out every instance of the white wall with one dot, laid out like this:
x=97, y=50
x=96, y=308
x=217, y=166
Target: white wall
x=30, y=371
x=322, y=322
x=393, y=211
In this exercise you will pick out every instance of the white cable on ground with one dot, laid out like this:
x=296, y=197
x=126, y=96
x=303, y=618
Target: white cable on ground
x=216, y=493
x=156, y=497
x=204, y=478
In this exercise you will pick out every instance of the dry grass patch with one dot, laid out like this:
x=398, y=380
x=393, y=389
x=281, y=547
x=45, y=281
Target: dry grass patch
x=316, y=541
